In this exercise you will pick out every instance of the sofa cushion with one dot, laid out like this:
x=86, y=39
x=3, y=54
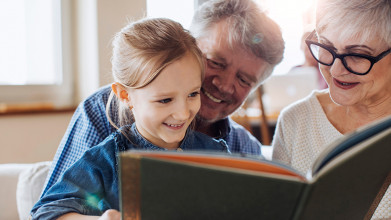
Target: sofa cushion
x=30, y=185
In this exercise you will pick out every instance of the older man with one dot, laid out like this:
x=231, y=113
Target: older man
x=241, y=46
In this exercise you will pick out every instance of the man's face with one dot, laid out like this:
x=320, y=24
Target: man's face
x=230, y=74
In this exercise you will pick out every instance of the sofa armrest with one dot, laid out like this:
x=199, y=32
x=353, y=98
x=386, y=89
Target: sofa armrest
x=9, y=174
x=29, y=188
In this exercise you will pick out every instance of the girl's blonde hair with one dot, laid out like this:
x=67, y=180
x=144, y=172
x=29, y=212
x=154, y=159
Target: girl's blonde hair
x=141, y=50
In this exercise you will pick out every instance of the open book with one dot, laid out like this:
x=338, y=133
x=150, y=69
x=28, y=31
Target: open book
x=347, y=181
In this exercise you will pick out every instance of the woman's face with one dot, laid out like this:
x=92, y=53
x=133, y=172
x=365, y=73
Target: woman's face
x=349, y=89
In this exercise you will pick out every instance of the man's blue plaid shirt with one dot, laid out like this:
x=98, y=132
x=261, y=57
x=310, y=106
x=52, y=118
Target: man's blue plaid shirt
x=89, y=126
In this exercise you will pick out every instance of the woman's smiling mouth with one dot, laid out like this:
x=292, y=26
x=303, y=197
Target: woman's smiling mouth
x=344, y=85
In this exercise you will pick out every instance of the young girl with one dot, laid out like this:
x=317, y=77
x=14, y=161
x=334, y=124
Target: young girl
x=158, y=70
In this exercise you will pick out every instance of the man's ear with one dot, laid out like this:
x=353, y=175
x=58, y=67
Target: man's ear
x=120, y=92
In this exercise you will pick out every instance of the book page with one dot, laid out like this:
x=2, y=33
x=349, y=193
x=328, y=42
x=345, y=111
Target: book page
x=227, y=161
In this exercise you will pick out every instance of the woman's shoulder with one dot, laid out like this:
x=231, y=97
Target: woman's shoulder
x=305, y=107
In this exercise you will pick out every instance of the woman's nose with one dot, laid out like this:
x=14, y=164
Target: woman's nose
x=337, y=68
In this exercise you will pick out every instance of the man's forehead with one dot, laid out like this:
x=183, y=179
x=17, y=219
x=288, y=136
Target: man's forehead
x=221, y=48
x=217, y=46
x=243, y=62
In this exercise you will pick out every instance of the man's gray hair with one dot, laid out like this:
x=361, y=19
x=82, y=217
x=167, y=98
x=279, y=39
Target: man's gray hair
x=249, y=27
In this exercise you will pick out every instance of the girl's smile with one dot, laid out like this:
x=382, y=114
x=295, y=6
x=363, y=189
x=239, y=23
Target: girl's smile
x=164, y=109
x=174, y=126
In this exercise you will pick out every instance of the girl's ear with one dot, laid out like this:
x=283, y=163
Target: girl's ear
x=120, y=92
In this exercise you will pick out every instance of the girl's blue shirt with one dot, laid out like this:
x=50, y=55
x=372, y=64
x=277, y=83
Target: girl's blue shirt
x=90, y=186
x=89, y=126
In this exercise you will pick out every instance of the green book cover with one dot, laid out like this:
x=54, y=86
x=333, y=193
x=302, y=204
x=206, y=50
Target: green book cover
x=346, y=182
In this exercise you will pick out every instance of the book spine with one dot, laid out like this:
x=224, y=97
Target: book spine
x=130, y=183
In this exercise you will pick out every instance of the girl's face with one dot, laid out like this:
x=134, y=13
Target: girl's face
x=349, y=89
x=165, y=108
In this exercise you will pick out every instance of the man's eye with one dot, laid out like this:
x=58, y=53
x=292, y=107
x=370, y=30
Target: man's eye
x=244, y=81
x=194, y=94
x=164, y=101
x=214, y=64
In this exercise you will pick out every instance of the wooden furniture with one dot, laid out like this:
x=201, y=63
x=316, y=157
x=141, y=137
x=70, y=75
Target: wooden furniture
x=242, y=117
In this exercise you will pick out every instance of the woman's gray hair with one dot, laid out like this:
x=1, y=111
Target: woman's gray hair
x=249, y=28
x=364, y=19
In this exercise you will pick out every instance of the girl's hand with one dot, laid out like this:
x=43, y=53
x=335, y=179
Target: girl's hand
x=111, y=214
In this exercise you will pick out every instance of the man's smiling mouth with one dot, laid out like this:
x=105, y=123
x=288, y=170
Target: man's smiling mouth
x=211, y=97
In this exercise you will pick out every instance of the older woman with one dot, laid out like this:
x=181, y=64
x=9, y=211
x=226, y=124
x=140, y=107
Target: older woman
x=352, y=44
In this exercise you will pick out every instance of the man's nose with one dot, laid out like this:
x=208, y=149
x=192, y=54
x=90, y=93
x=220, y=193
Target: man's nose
x=225, y=82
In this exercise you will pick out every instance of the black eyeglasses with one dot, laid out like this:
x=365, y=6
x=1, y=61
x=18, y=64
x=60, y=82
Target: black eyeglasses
x=356, y=63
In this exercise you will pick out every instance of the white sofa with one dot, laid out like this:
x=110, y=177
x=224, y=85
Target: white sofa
x=20, y=188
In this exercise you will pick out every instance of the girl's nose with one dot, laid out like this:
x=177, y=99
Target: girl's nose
x=182, y=112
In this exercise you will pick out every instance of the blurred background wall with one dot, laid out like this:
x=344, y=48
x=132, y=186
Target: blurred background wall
x=33, y=137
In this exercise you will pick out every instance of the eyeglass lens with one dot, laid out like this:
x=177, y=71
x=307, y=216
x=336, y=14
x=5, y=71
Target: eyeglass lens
x=352, y=63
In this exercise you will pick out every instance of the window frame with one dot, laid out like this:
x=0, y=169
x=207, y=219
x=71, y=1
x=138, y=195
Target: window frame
x=56, y=95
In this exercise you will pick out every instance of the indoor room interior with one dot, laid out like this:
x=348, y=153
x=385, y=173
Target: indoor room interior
x=66, y=57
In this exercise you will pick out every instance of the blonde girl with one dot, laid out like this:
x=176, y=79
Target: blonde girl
x=158, y=72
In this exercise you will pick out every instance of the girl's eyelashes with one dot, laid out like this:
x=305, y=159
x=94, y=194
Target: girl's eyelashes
x=167, y=100
x=194, y=94
x=164, y=101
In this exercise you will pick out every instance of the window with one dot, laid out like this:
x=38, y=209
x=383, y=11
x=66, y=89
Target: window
x=293, y=17
x=170, y=9
x=34, y=65
x=287, y=13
